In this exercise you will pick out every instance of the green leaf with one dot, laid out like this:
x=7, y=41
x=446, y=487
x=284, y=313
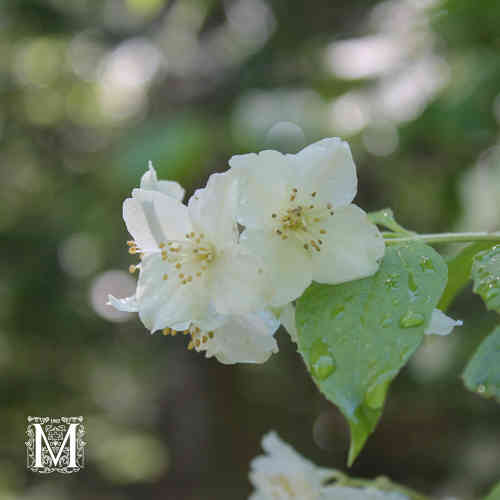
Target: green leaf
x=495, y=493
x=459, y=271
x=482, y=373
x=486, y=276
x=356, y=336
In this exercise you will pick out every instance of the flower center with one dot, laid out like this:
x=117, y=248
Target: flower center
x=191, y=256
x=301, y=219
x=199, y=338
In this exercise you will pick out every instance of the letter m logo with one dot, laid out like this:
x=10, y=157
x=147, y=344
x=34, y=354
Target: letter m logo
x=55, y=444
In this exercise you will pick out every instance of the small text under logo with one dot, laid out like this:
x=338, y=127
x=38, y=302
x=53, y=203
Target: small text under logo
x=55, y=444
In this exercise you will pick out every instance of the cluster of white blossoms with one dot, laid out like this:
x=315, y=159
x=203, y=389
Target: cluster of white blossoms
x=225, y=267
x=282, y=474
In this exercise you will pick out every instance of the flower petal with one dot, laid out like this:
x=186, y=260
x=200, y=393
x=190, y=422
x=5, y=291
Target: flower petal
x=137, y=224
x=287, y=267
x=245, y=339
x=264, y=180
x=172, y=188
x=212, y=210
x=328, y=169
x=152, y=217
x=127, y=304
x=238, y=284
x=352, y=247
x=287, y=319
x=173, y=217
x=150, y=182
x=441, y=324
x=283, y=473
x=167, y=302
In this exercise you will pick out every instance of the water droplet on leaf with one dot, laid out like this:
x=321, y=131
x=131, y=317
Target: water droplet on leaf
x=337, y=312
x=411, y=319
x=322, y=361
x=392, y=281
x=426, y=264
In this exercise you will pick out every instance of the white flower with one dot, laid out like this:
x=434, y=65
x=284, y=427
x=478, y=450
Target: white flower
x=283, y=474
x=191, y=264
x=244, y=338
x=298, y=216
x=440, y=324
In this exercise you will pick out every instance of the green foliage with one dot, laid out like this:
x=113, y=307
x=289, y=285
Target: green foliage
x=495, y=493
x=486, y=276
x=177, y=149
x=459, y=271
x=356, y=336
x=482, y=373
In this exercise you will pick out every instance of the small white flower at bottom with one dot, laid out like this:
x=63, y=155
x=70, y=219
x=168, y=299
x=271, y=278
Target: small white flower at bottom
x=283, y=474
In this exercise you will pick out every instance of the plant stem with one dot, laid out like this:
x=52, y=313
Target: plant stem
x=381, y=483
x=444, y=237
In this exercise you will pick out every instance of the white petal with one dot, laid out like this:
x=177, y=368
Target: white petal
x=352, y=247
x=245, y=339
x=283, y=473
x=273, y=445
x=127, y=304
x=138, y=225
x=237, y=285
x=328, y=169
x=287, y=266
x=211, y=321
x=172, y=188
x=287, y=319
x=173, y=216
x=166, y=302
x=264, y=181
x=150, y=182
x=152, y=218
x=212, y=210
x=441, y=324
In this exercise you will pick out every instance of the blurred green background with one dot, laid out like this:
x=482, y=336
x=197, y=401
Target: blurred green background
x=90, y=90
